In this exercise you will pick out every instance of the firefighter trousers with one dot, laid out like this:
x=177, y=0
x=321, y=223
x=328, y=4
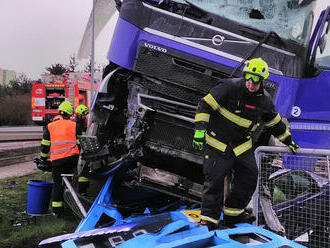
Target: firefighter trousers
x=216, y=166
x=61, y=166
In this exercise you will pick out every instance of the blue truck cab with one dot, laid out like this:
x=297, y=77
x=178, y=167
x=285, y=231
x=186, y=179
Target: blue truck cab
x=196, y=43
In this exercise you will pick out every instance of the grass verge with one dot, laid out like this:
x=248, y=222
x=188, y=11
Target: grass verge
x=18, y=229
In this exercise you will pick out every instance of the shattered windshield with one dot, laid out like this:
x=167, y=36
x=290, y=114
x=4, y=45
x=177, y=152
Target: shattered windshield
x=290, y=19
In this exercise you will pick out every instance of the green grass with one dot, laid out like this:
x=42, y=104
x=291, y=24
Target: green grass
x=28, y=231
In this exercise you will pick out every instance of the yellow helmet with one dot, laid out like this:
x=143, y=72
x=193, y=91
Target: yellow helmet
x=82, y=110
x=66, y=107
x=256, y=69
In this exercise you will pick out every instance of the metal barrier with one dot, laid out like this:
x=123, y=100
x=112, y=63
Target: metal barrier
x=293, y=194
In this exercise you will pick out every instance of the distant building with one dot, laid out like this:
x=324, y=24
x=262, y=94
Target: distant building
x=6, y=76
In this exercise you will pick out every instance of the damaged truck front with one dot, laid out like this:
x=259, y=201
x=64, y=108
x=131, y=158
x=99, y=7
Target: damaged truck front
x=164, y=56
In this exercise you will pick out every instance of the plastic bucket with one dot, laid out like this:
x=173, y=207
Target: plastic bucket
x=39, y=193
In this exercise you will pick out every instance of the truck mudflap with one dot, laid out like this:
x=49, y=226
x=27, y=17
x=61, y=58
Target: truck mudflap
x=172, y=229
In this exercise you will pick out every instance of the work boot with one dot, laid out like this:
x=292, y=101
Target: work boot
x=83, y=185
x=58, y=212
x=210, y=225
x=245, y=217
x=82, y=188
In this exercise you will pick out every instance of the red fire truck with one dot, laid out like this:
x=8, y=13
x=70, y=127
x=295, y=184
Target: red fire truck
x=48, y=94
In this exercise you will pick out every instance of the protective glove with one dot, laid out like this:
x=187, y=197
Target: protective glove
x=199, y=139
x=44, y=165
x=293, y=147
x=36, y=161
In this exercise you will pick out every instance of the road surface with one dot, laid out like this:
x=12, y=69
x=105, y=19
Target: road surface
x=20, y=133
x=24, y=168
x=18, y=170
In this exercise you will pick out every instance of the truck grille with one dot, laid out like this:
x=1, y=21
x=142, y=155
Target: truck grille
x=170, y=132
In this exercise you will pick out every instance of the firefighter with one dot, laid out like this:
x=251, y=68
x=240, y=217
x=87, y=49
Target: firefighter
x=81, y=118
x=224, y=122
x=59, y=143
x=81, y=113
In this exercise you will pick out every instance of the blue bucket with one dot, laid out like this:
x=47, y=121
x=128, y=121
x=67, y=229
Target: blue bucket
x=39, y=193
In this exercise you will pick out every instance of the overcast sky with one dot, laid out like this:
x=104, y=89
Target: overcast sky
x=38, y=33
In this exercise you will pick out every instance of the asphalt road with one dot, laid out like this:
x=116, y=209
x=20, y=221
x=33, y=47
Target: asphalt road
x=21, y=129
x=17, y=170
x=20, y=133
x=13, y=133
x=18, y=145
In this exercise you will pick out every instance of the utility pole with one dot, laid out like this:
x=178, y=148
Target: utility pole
x=93, y=52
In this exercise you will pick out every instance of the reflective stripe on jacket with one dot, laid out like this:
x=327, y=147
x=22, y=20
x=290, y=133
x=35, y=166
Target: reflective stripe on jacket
x=230, y=114
x=63, y=142
x=238, y=150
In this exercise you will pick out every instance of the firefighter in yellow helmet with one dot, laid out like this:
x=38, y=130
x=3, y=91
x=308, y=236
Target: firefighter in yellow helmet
x=59, y=143
x=225, y=119
x=81, y=113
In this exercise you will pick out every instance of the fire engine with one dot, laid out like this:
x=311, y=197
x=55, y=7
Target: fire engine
x=53, y=89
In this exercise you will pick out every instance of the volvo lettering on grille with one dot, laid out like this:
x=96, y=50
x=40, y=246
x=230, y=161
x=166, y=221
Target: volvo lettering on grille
x=154, y=47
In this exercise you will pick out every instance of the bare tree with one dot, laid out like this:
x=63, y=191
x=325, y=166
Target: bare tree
x=72, y=64
x=88, y=67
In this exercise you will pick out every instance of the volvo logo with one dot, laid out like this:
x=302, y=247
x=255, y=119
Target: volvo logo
x=217, y=39
x=154, y=47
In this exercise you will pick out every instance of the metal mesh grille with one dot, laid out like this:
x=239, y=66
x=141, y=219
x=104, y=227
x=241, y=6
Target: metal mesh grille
x=295, y=191
x=173, y=91
x=171, y=132
x=188, y=75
